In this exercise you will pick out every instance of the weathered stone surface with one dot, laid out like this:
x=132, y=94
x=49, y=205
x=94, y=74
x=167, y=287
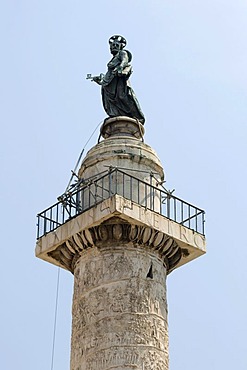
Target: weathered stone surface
x=119, y=310
x=124, y=152
x=122, y=126
x=120, y=252
x=141, y=227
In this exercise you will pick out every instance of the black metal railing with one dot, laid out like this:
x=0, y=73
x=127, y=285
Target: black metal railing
x=116, y=181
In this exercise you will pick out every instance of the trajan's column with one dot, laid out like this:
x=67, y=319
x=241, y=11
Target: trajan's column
x=120, y=232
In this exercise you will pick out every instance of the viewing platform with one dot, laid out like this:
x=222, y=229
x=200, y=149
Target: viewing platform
x=115, y=193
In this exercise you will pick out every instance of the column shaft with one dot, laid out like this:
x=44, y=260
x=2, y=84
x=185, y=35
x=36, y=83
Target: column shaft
x=119, y=310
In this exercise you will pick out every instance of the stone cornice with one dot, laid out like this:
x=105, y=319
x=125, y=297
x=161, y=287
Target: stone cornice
x=114, y=233
x=118, y=221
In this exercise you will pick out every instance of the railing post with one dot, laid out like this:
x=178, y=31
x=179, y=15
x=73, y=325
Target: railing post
x=160, y=198
x=146, y=195
x=203, y=223
x=182, y=212
x=38, y=226
x=57, y=213
x=175, y=209
x=50, y=219
x=131, y=196
x=168, y=205
x=110, y=183
x=123, y=184
x=63, y=212
x=95, y=193
x=116, y=181
x=189, y=216
x=89, y=195
x=138, y=191
x=45, y=220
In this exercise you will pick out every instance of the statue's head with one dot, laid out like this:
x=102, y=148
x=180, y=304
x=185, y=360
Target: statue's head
x=117, y=43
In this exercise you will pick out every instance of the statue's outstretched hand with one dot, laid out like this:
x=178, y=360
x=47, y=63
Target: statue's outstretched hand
x=97, y=79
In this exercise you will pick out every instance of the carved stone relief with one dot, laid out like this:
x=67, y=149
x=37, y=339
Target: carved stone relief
x=119, y=310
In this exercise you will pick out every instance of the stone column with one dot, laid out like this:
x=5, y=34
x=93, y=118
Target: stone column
x=120, y=247
x=119, y=304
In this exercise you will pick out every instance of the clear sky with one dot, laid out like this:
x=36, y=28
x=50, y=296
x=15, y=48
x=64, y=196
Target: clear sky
x=189, y=61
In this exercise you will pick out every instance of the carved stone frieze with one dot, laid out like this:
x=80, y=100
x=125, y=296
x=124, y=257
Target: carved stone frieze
x=117, y=232
x=119, y=309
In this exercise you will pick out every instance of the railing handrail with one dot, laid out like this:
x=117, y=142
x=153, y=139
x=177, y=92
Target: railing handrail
x=73, y=207
x=162, y=190
x=112, y=170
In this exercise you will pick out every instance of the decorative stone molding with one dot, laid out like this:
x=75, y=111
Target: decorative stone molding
x=122, y=126
x=117, y=232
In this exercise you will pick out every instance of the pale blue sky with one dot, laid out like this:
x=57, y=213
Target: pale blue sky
x=189, y=61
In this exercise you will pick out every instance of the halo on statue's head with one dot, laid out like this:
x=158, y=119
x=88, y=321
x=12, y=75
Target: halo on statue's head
x=118, y=38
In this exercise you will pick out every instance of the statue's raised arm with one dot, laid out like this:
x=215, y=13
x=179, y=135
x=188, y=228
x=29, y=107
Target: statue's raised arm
x=118, y=97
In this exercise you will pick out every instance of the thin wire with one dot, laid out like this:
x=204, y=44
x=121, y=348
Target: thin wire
x=58, y=273
x=79, y=159
x=55, y=319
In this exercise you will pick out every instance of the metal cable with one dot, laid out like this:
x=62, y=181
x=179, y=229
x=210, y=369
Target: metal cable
x=80, y=156
x=55, y=319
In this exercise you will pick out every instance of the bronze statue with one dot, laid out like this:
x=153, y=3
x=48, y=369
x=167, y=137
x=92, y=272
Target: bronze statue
x=118, y=97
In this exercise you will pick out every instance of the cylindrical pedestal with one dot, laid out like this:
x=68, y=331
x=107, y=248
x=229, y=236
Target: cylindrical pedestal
x=139, y=169
x=124, y=150
x=119, y=310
